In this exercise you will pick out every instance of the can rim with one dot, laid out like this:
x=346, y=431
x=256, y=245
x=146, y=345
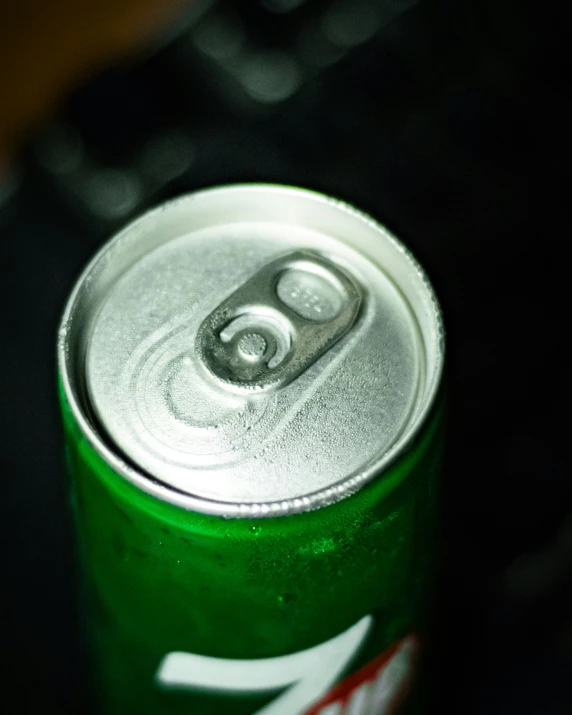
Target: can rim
x=152, y=484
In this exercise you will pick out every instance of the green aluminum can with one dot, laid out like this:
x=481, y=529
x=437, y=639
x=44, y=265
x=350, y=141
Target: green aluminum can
x=250, y=380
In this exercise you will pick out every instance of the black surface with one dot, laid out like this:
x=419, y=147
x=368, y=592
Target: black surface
x=429, y=128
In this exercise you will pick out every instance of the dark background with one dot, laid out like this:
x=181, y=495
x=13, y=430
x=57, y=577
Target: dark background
x=446, y=120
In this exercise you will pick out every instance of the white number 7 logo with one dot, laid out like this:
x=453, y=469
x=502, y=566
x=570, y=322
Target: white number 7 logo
x=310, y=673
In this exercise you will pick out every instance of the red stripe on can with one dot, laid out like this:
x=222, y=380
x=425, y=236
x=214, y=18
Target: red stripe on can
x=378, y=688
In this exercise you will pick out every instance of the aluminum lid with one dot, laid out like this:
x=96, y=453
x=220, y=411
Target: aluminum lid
x=252, y=350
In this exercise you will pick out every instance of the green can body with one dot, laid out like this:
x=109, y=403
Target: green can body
x=161, y=580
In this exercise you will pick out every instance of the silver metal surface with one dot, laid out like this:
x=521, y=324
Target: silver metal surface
x=253, y=350
x=279, y=322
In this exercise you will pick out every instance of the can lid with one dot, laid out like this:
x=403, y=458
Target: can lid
x=252, y=350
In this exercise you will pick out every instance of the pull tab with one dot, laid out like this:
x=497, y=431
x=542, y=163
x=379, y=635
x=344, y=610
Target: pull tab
x=279, y=322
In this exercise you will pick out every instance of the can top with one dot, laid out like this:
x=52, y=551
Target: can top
x=251, y=350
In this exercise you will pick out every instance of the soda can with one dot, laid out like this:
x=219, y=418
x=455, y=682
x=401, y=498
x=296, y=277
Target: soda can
x=250, y=385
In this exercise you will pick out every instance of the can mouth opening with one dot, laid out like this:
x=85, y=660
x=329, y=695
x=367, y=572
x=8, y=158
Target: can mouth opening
x=233, y=205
